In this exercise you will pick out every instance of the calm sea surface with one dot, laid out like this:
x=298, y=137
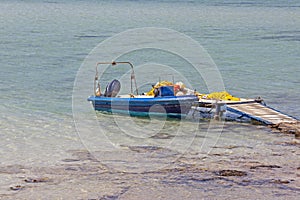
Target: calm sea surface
x=254, y=44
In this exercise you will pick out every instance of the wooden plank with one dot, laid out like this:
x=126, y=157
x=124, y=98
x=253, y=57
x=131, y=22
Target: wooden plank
x=261, y=113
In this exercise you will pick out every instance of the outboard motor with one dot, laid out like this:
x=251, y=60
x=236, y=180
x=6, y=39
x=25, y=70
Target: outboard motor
x=112, y=89
x=156, y=92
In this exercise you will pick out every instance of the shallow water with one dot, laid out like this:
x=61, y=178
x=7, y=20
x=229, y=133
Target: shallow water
x=254, y=45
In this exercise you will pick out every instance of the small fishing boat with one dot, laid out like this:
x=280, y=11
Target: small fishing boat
x=175, y=100
x=160, y=101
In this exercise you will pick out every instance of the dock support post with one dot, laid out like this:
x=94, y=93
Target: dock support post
x=219, y=111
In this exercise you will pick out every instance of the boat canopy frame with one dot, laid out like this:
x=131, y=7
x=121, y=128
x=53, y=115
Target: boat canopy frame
x=113, y=63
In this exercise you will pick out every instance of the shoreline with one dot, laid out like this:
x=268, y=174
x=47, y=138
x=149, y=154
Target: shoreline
x=287, y=128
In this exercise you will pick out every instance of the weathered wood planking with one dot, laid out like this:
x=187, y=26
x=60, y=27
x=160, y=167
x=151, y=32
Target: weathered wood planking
x=260, y=113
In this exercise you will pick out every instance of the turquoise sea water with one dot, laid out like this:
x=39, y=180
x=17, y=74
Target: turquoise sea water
x=255, y=45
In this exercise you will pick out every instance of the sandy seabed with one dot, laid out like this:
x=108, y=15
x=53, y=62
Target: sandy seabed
x=227, y=172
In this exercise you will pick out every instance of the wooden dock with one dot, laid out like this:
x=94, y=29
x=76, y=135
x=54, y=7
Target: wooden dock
x=261, y=113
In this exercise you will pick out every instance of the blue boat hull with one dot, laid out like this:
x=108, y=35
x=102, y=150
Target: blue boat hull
x=172, y=106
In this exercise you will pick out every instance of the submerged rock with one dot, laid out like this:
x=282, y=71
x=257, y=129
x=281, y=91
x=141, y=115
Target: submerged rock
x=17, y=187
x=278, y=181
x=37, y=180
x=229, y=172
x=265, y=166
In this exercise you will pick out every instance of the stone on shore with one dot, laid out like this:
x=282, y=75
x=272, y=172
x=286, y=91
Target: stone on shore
x=288, y=127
